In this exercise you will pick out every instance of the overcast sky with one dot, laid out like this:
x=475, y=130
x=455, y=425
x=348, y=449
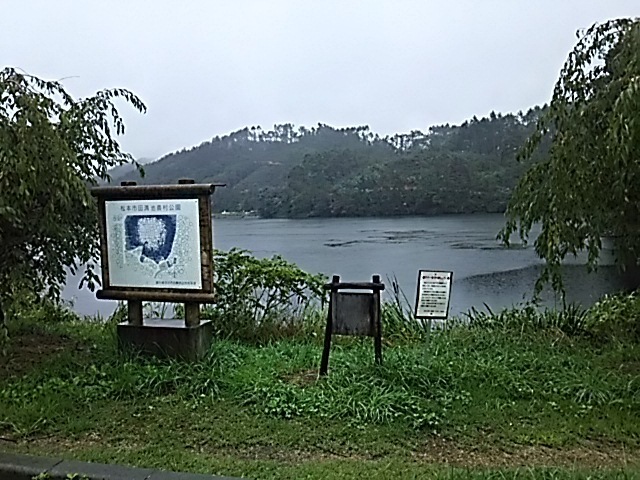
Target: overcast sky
x=206, y=68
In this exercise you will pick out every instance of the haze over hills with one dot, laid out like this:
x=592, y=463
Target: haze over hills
x=327, y=171
x=129, y=168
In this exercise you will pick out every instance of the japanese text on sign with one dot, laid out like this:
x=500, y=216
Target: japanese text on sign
x=434, y=291
x=146, y=207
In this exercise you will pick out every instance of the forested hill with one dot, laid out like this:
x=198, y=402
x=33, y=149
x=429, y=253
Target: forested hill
x=324, y=171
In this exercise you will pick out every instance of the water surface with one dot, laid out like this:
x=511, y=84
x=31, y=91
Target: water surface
x=484, y=272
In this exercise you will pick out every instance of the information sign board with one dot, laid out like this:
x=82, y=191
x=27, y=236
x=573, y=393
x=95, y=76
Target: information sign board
x=434, y=292
x=154, y=243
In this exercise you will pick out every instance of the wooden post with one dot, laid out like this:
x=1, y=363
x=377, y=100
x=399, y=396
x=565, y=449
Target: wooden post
x=377, y=323
x=134, y=312
x=192, y=314
x=324, y=363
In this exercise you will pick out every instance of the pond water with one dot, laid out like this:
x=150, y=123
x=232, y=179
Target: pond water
x=484, y=272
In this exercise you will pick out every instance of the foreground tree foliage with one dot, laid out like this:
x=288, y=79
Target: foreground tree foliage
x=588, y=187
x=52, y=148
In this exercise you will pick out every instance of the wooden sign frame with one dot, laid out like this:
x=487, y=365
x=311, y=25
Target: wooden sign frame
x=185, y=190
x=366, y=305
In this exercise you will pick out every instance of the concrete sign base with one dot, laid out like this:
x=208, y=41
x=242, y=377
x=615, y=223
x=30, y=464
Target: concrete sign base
x=167, y=338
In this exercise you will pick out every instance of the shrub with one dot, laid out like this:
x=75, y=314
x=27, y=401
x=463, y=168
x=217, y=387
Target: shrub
x=259, y=300
x=616, y=317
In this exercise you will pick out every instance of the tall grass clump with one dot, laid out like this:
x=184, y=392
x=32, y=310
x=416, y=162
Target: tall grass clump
x=616, y=317
x=571, y=320
x=398, y=319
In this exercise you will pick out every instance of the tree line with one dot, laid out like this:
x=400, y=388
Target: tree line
x=326, y=171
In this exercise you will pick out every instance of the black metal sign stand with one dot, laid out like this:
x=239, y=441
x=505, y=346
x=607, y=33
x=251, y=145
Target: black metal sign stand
x=353, y=314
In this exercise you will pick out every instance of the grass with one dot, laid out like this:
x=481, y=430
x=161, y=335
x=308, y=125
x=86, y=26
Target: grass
x=510, y=395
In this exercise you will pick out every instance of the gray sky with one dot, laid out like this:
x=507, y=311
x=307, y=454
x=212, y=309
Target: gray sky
x=206, y=68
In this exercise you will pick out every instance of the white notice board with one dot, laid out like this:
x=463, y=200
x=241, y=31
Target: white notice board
x=434, y=293
x=154, y=243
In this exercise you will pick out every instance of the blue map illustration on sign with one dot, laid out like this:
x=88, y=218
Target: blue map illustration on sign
x=154, y=233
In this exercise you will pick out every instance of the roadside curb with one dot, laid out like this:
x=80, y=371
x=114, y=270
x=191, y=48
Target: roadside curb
x=24, y=467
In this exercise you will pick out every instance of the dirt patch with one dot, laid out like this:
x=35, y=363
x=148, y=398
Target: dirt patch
x=50, y=444
x=303, y=378
x=437, y=451
x=631, y=367
x=442, y=451
x=29, y=351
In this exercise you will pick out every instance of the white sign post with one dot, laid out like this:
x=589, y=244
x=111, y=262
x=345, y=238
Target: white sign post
x=434, y=292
